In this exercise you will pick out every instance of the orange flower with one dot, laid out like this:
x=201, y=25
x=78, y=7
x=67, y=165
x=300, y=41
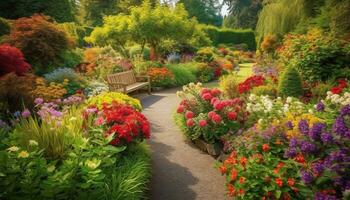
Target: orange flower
x=290, y=182
x=276, y=170
x=223, y=169
x=234, y=174
x=241, y=192
x=230, y=160
x=241, y=180
x=279, y=182
x=265, y=147
x=278, y=142
x=231, y=190
x=280, y=165
x=243, y=161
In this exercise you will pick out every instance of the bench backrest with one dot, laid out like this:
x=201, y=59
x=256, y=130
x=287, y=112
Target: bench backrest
x=127, y=77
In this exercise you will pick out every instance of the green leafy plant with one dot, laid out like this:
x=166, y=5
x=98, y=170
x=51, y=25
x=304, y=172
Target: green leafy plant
x=290, y=83
x=109, y=97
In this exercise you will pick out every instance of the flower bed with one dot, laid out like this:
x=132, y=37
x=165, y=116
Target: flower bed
x=67, y=150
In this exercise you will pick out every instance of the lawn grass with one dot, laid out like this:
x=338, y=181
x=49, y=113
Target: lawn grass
x=245, y=70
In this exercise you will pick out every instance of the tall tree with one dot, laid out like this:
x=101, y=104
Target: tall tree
x=60, y=10
x=91, y=12
x=206, y=11
x=242, y=13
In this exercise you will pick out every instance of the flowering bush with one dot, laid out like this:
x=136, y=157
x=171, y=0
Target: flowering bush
x=204, y=114
x=12, y=60
x=109, y=97
x=249, y=83
x=123, y=124
x=51, y=91
x=160, y=77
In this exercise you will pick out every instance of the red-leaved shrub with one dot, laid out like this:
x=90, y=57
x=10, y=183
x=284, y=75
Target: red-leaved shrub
x=12, y=60
x=40, y=40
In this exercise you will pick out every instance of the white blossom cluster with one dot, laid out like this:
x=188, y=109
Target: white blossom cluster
x=337, y=99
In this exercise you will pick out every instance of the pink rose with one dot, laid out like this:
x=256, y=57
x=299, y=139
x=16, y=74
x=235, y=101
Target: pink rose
x=180, y=109
x=207, y=96
x=190, y=122
x=232, y=116
x=189, y=115
x=216, y=118
x=202, y=123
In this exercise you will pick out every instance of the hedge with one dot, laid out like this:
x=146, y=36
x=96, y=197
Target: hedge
x=231, y=36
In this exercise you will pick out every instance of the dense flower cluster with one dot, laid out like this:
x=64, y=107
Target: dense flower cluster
x=207, y=115
x=338, y=89
x=160, y=76
x=123, y=122
x=249, y=83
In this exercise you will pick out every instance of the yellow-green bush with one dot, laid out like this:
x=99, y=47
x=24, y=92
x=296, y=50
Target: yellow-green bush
x=265, y=90
x=109, y=97
x=228, y=84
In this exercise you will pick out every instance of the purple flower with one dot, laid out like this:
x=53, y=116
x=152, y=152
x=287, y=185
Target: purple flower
x=17, y=114
x=318, y=167
x=307, y=147
x=345, y=110
x=55, y=113
x=290, y=153
x=303, y=127
x=293, y=142
x=320, y=106
x=26, y=113
x=306, y=177
x=316, y=131
x=339, y=126
x=326, y=138
x=321, y=196
x=38, y=101
x=289, y=125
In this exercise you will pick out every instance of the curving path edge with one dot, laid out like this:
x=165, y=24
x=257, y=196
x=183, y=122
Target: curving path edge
x=179, y=170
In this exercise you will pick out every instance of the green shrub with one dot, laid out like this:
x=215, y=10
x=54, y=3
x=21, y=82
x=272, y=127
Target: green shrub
x=205, y=73
x=109, y=97
x=290, y=83
x=320, y=90
x=60, y=74
x=228, y=84
x=205, y=54
x=231, y=36
x=4, y=27
x=141, y=66
x=182, y=74
x=76, y=32
x=136, y=50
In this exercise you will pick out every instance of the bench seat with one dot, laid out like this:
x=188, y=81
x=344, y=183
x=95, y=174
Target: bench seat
x=127, y=82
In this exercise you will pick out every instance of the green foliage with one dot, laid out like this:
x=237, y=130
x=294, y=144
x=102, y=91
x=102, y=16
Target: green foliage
x=137, y=50
x=4, y=27
x=70, y=58
x=206, y=12
x=91, y=12
x=320, y=90
x=290, y=84
x=205, y=54
x=339, y=13
x=231, y=36
x=182, y=74
x=75, y=31
x=141, y=67
x=270, y=90
x=243, y=13
x=205, y=73
x=61, y=11
x=228, y=84
x=317, y=55
x=109, y=97
x=279, y=18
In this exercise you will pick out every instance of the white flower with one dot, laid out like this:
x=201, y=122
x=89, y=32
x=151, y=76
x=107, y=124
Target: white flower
x=13, y=149
x=260, y=121
x=289, y=99
x=310, y=111
x=33, y=143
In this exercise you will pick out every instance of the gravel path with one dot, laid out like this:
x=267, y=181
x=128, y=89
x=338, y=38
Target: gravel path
x=180, y=171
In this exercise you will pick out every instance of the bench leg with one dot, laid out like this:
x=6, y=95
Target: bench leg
x=149, y=89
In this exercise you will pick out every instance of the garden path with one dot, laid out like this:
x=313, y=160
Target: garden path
x=179, y=170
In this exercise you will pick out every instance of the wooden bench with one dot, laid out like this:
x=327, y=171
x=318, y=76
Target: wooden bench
x=127, y=82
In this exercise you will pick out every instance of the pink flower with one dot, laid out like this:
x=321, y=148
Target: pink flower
x=189, y=115
x=215, y=92
x=219, y=105
x=213, y=100
x=216, y=118
x=26, y=113
x=190, y=122
x=207, y=96
x=211, y=113
x=180, y=109
x=38, y=101
x=202, y=123
x=205, y=90
x=99, y=121
x=232, y=116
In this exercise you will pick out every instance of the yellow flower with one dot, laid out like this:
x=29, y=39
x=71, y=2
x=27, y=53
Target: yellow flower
x=23, y=154
x=13, y=149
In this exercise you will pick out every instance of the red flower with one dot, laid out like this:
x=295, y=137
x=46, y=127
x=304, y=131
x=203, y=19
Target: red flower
x=234, y=174
x=216, y=118
x=190, y=122
x=189, y=115
x=241, y=191
x=202, y=123
x=232, y=115
x=223, y=169
x=241, y=180
x=243, y=161
x=279, y=182
x=207, y=96
x=215, y=92
x=231, y=190
x=300, y=159
x=280, y=165
x=336, y=90
x=219, y=105
x=290, y=182
x=265, y=147
x=180, y=109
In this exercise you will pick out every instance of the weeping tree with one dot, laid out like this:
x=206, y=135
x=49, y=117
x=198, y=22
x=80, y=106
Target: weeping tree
x=279, y=17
